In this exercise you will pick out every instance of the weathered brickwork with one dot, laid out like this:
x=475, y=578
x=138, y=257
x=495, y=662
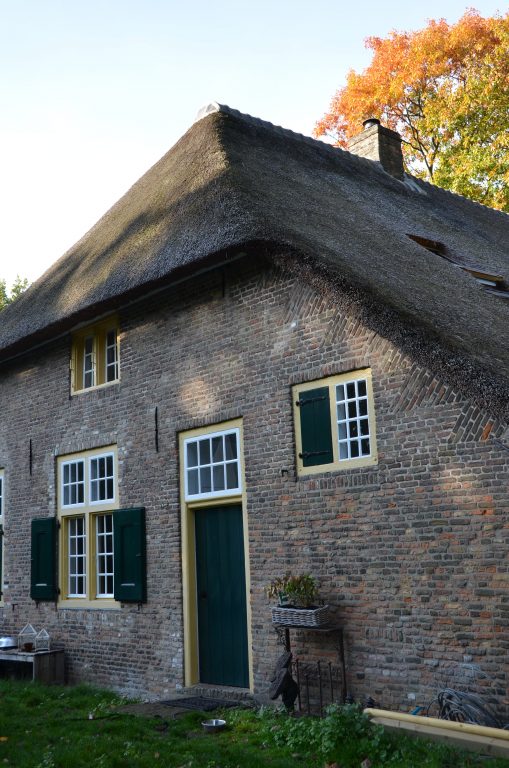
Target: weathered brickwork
x=412, y=552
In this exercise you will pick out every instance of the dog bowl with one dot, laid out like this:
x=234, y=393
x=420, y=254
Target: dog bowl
x=213, y=726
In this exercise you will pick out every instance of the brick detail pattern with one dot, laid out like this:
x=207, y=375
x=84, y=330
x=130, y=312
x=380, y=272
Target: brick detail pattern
x=411, y=553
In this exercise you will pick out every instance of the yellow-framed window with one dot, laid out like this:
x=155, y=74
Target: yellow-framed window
x=87, y=497
x=95, y=359
x=334, y=421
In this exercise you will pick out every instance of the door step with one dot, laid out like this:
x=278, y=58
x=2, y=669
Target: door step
x=241, y=696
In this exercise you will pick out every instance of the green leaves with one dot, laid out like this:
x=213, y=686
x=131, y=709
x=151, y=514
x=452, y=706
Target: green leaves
x=18, y=287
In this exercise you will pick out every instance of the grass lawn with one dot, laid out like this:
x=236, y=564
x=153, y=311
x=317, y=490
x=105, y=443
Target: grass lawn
x=64, y=727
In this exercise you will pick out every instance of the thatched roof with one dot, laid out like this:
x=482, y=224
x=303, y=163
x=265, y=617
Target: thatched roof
x=233, y=179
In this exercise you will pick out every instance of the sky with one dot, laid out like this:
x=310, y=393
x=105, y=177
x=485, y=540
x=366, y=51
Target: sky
x=93, y=92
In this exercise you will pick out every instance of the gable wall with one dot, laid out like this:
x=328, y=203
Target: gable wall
x=411, y=552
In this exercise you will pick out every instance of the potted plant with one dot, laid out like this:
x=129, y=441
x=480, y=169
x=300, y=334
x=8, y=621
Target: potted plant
x=298, y=601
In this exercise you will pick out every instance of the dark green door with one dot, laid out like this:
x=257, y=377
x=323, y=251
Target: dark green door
x=221, y=588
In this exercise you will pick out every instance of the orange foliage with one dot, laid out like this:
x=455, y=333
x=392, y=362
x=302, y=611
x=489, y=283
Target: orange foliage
x=438, y=88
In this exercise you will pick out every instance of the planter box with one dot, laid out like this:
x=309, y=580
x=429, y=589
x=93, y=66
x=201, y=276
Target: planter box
x=303, y=617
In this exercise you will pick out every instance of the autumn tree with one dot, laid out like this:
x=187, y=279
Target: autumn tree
x=445, y=89
x=18, y=287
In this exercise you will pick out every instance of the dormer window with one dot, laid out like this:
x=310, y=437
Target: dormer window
x=492, y=283
x=95, y=355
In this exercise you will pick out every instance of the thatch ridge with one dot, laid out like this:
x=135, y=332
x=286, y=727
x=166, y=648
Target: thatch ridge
x=233, y=179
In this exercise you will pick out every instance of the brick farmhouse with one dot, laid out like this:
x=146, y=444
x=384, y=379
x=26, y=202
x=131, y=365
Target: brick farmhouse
x=269, y=355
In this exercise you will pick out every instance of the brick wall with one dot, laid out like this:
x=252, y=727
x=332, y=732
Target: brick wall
x=411, y=553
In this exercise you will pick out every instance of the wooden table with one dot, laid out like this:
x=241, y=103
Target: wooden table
x=46, y=666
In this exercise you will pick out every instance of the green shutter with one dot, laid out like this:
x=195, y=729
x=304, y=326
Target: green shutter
x=43, y=585
x=315, y=426
x=130, y=558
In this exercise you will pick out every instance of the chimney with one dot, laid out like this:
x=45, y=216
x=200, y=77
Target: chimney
x=381, y=144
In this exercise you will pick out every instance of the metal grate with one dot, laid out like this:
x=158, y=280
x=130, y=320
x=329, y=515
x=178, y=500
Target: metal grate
x=200, y=703
x=320, y=684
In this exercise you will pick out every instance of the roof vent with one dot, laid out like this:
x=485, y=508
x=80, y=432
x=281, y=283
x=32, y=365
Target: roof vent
x=380, y=144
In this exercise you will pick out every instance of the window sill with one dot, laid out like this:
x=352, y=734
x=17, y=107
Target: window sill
x=337, y=467
x=87, y=605
x=95, y=388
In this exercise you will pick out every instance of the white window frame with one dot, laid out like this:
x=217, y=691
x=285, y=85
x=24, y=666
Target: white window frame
x=101, y=557
x=114, y=363
x=237, y=461
x=352, y=422
x=90, y=511
x=63, y=485
x=91, y=357
x=105, y=478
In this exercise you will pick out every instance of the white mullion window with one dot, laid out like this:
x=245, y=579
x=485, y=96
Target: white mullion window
x=102, y=479
x=104, y=555
x=87, y=495
x=77, y=557
x=212, y=465
x=111, y=353
x=354, y=440
x=73, y=483
x=89, y=372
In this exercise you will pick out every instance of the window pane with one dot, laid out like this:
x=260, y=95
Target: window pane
x=232, y=475
x=354, y=449
x=342, y=431
x=205, y=452
x=230, y=442
x=363, y=407
x=365, y=447
x=192, y=454
x=352, y=410
x=361, y=388
x=218, y=477
x=354, y=429
x=364, y=427
x=205, y=482
x=340, y=392
x=192, y=482
x=350, y=389
x=343, y=451
x=341, y=412
x=217, y=449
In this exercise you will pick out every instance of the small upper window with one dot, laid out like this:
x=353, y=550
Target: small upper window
x=95, y=355
x=335, y=423
x=494, y=284
x=212, y=465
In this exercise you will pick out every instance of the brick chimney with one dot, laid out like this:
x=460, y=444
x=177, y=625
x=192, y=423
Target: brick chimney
x=379, y=143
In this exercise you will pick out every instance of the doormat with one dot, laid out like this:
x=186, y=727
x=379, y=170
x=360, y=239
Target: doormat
x=201, y=704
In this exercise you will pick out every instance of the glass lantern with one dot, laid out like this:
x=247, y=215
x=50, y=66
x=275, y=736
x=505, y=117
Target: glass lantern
x=26, y=639
x=42, y=641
